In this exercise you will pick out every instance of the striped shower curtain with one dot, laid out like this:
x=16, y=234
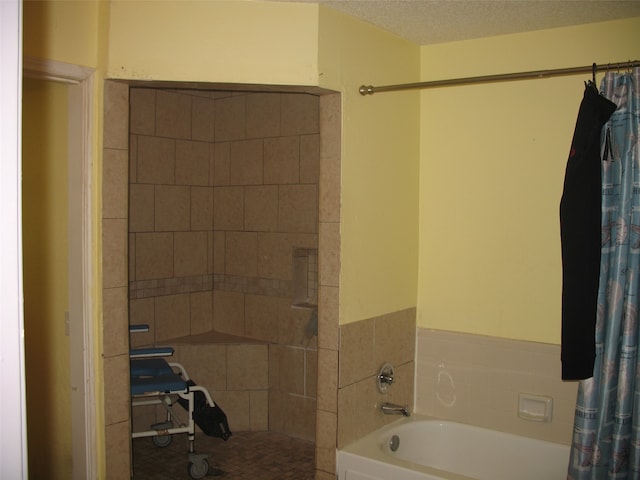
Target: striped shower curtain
x=606, y=437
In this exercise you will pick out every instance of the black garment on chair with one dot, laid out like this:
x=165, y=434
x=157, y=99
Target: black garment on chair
x=580, y=232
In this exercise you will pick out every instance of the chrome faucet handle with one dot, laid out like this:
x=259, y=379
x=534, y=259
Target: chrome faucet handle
x=385, y=378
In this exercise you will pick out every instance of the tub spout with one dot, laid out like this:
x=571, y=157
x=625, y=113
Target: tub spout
x=393, y=409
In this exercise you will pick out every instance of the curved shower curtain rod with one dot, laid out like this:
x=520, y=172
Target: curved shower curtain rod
x=370, y=89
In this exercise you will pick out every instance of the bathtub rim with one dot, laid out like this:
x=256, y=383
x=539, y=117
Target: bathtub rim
x=371, y=447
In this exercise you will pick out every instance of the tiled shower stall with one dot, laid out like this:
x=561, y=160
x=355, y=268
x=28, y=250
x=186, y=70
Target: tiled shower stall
x=223, y=234
x=203, y=214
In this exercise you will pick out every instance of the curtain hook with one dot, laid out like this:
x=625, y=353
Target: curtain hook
x=594, y=69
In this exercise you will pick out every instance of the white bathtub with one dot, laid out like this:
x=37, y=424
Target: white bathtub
x=431, y=449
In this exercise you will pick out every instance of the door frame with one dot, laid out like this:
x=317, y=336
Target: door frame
x=81, y=270
x=13, y=426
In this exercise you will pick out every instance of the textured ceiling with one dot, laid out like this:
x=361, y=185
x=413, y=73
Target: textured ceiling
x=436, y=21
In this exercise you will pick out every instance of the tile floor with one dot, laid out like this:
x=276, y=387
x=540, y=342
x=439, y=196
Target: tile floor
x=244, y=456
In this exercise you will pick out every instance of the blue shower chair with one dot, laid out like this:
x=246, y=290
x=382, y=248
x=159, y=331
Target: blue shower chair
x=155, y=381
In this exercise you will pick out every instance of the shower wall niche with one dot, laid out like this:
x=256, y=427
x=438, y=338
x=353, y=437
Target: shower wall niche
x=223, y=208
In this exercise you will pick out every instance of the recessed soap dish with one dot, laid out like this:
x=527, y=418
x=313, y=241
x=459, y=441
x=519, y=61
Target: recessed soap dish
x=535, y=408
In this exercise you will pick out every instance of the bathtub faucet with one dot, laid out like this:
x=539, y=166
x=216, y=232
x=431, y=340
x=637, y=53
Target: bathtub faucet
x=393, y=409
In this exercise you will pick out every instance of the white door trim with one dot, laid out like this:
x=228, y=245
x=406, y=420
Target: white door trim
x=13, y=427
x=80, y=236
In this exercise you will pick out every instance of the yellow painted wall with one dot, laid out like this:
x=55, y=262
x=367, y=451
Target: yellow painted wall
x=221, y=41
x=491, y=174
x=380, y=140
x=44, y=207
x=76, y=32
x=66, y=31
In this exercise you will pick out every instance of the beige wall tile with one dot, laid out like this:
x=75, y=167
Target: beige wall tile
x=141, y=207
x=154, y=255
x=301, y=419
x=115, y=321
x=311, y=373
x=115, y=183
x=286, y=369
x=282, y=160
x=327, y=393
x=330, y=126
x=117, y=446
x=206, y=364
x=329, y=254
x=246, y=163
x=221, y=163
x=133, y=158
x=330, y=185
x=298, y=208
x=247, y=367
x=228, y=208
x=219, y=241
x=300, y=114
x=395, y=337
x=116, y=115
x=189, y=253
x=241, y=254
x=356, y=352
x=261, y=317
x=347, y=415
x=278, y=409
x=369, y=401
x=228, y=312
x=172, y=208
x=202, y=118
x=172, y=316
x=143, y=111
x=309, y=158
x=263, y=115
x=173, y=114
x=259, y=414
x=192, y=163
x=274, y=256
x=328, y=305
x=261, y=208
x=156, y=160
x=201, y=312
x=211, y=252
x=359, y=411
x=117, y=396
x=115, y=241
x=326, y=427
x=201, y=208
x=230, y=118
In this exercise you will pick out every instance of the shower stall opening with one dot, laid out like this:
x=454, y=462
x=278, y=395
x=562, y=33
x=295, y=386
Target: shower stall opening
x=222, y=252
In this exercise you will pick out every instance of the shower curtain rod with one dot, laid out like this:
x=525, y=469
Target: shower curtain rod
x=370, y=89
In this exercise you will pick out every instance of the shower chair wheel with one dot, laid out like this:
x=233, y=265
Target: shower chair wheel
x=198, y=469
x=162, y=440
